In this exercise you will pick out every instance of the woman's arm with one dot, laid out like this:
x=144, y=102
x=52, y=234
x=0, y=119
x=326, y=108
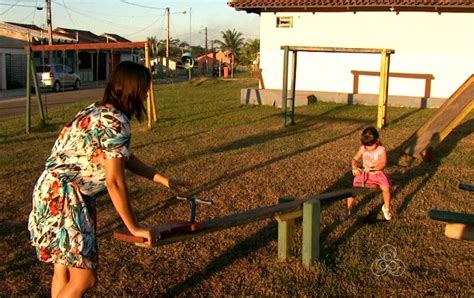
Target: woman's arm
x=136, y=166
x=117, y=188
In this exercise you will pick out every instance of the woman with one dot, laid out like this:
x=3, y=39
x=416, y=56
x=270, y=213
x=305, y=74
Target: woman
x=88, y=158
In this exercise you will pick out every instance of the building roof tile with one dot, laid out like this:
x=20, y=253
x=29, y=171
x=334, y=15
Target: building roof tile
x=258, y=6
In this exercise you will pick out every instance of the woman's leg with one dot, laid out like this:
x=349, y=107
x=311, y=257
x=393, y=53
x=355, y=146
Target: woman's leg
x=60, y=279
x=80, y=280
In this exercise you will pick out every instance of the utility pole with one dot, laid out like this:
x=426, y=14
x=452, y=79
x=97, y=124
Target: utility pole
x=50, y=27
x=190, y=42
x=205, y=43
x=167, y=41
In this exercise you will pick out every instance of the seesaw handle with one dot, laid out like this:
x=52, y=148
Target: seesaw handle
x=128, y=238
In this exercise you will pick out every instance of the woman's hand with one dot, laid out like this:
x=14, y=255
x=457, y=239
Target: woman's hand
x=177, y=184
x=146, y=234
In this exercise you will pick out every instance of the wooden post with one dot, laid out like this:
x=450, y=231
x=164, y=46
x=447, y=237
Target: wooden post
x=286, y=230
x=284, y=93
x=37, y=91
x=355, y=86
x=28, y=91
x=148, y=99
x=383, y=92
x=311, y=231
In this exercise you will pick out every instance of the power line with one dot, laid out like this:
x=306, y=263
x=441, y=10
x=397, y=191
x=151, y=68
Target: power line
x=8, y=9
x=143, y=6
x=69, y=15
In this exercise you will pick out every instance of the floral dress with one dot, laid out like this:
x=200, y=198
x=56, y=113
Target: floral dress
x=62, y=223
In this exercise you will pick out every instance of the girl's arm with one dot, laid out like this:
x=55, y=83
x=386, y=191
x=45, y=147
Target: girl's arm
x=355, y=163
x=117, y=188
x=136, y=166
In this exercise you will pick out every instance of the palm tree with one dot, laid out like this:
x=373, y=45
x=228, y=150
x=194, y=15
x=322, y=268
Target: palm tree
x=153, y=46
x=232, y=41
x=250, y=51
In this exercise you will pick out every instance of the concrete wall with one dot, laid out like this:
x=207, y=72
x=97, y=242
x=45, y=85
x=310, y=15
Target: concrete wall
x=442, y=45
x=272, y=97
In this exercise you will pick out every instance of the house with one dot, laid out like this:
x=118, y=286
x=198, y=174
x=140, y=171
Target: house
x=88, y=68
x=432, y=38
x=13, y=38
x=213, y=60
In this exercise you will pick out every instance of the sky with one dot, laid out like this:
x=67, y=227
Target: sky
x=137, y=19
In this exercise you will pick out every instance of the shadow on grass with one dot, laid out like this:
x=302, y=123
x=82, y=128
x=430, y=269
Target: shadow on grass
x=241, y=250
x=18, y=136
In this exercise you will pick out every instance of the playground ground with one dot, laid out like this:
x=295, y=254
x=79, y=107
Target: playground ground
x=241, y=158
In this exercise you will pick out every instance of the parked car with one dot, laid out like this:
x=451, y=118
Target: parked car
x=57, y=76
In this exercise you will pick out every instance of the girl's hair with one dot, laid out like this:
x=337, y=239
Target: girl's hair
x=370, y=136
x=127, y=88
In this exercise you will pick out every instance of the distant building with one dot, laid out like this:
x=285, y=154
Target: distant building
x=90, y=65
x=13, y=38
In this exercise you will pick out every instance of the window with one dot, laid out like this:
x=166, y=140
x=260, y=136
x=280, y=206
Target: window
x=284, y=22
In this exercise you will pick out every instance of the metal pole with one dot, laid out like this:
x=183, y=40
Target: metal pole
x=284, y=93
x=293, y=88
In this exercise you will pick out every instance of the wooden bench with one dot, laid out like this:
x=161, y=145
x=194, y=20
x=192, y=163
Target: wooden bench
x=426, y=77
x=459, y=225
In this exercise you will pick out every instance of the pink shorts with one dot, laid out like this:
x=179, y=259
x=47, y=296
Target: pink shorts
x=378, y=178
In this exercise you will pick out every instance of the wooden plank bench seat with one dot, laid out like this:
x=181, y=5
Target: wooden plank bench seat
x=423, y=76
x=459, y=225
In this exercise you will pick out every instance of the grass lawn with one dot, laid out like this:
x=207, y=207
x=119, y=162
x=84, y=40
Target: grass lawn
x=240, y=157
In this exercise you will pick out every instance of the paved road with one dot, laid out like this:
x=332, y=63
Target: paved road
x=16, y=104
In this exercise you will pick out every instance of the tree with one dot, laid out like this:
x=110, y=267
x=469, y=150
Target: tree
x=232, y=41
x=153, y=46
x=250, y=51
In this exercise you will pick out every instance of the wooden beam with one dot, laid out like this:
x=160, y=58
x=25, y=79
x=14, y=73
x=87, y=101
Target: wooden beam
x=337, y=50
x=452, y=217
x=88, y=46
x=253, y=215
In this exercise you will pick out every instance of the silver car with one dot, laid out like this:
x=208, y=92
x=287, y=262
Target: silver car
x=57, y=76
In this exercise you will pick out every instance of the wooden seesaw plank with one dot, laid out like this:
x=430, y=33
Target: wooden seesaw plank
x=459, y=225
x=253, y=215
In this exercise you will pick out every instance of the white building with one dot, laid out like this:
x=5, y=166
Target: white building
x=429, y=37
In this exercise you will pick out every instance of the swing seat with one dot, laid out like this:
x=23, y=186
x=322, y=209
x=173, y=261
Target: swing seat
x=161, y=231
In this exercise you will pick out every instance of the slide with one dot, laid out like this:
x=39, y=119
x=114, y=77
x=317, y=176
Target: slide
x=437, y=128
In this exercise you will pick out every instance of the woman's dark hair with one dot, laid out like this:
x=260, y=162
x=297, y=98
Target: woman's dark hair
x=127, y=89
x=370, y=136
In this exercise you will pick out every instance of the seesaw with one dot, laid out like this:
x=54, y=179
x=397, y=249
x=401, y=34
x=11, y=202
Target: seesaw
x=285, y=213
x=459, y=225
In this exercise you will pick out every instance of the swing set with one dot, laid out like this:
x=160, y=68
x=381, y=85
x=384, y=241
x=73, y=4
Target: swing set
x=31, y=72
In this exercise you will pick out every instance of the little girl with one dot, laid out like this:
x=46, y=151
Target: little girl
x=374, y=160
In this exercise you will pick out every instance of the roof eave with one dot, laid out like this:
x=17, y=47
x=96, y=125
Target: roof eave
x=388, y=8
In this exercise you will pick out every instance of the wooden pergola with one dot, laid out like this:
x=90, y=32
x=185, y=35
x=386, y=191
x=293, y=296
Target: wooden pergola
x=384, y=71
x=31, y=72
